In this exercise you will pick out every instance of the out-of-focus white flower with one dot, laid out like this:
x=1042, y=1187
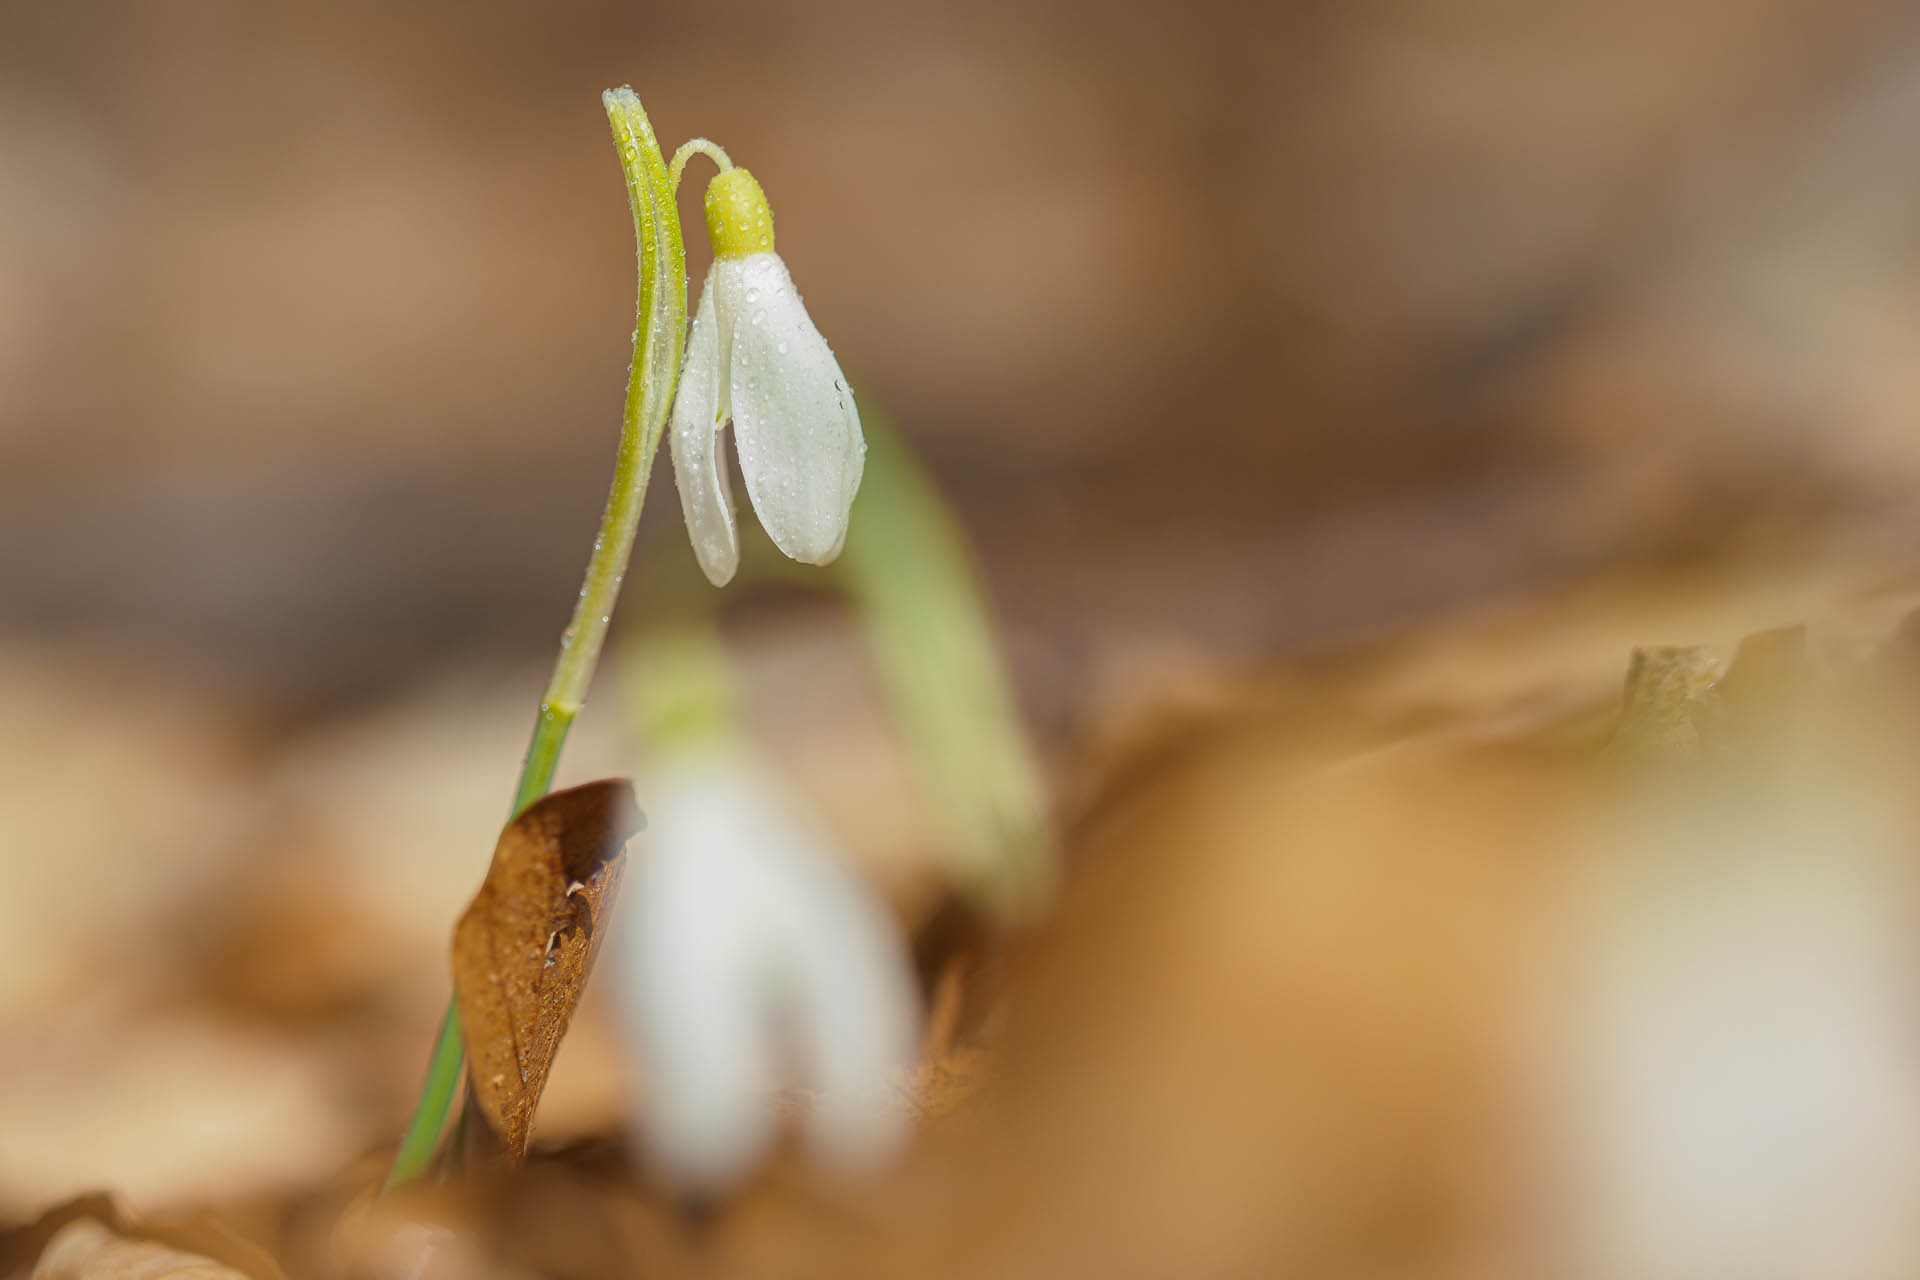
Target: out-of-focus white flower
x=1747, y=1098
x=753, y=961
x=755, y=358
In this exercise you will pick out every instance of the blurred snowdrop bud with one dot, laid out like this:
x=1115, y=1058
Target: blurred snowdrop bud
x=754, y=960
x=755, y=358
x=1750, y=1086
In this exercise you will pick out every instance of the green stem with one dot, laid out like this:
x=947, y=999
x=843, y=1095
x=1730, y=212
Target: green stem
x=436, y=1098
x=543, y=756
x=659, y=337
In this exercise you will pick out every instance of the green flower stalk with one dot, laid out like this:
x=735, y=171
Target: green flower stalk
x=660, y=330
x=659, y=336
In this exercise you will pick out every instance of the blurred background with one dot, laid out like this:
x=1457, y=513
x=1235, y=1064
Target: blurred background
x=1233, y=332
x=1230, y=325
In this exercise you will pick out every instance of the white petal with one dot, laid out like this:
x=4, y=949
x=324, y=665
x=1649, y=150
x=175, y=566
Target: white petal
x=854, y=1009
x=693, y=953
x=747, y=948
x=699, y=463
x=795, y=422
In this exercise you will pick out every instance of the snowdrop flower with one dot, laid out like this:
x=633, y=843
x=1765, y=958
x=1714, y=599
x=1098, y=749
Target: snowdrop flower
x=753, y=356
x=753, y=961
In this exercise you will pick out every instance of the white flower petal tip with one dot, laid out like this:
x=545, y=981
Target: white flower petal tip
x=752, y=960
x=699, y=464
x=755, y=358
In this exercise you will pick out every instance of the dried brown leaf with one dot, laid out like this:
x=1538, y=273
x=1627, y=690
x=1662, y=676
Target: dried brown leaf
x=522, y=951
x=85, y=1250
x=30, y=1245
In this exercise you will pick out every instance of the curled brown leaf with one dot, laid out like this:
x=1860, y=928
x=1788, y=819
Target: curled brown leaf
x=524, y=947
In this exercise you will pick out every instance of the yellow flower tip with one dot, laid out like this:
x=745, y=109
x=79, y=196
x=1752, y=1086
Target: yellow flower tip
x=739, y=221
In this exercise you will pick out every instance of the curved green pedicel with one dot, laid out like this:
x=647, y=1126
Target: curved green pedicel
x=659, y=337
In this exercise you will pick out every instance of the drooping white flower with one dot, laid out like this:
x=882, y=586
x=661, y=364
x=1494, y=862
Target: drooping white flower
x=754, y=358
x=752, y=960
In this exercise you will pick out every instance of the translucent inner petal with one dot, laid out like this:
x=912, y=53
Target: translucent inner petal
x=699, y=462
